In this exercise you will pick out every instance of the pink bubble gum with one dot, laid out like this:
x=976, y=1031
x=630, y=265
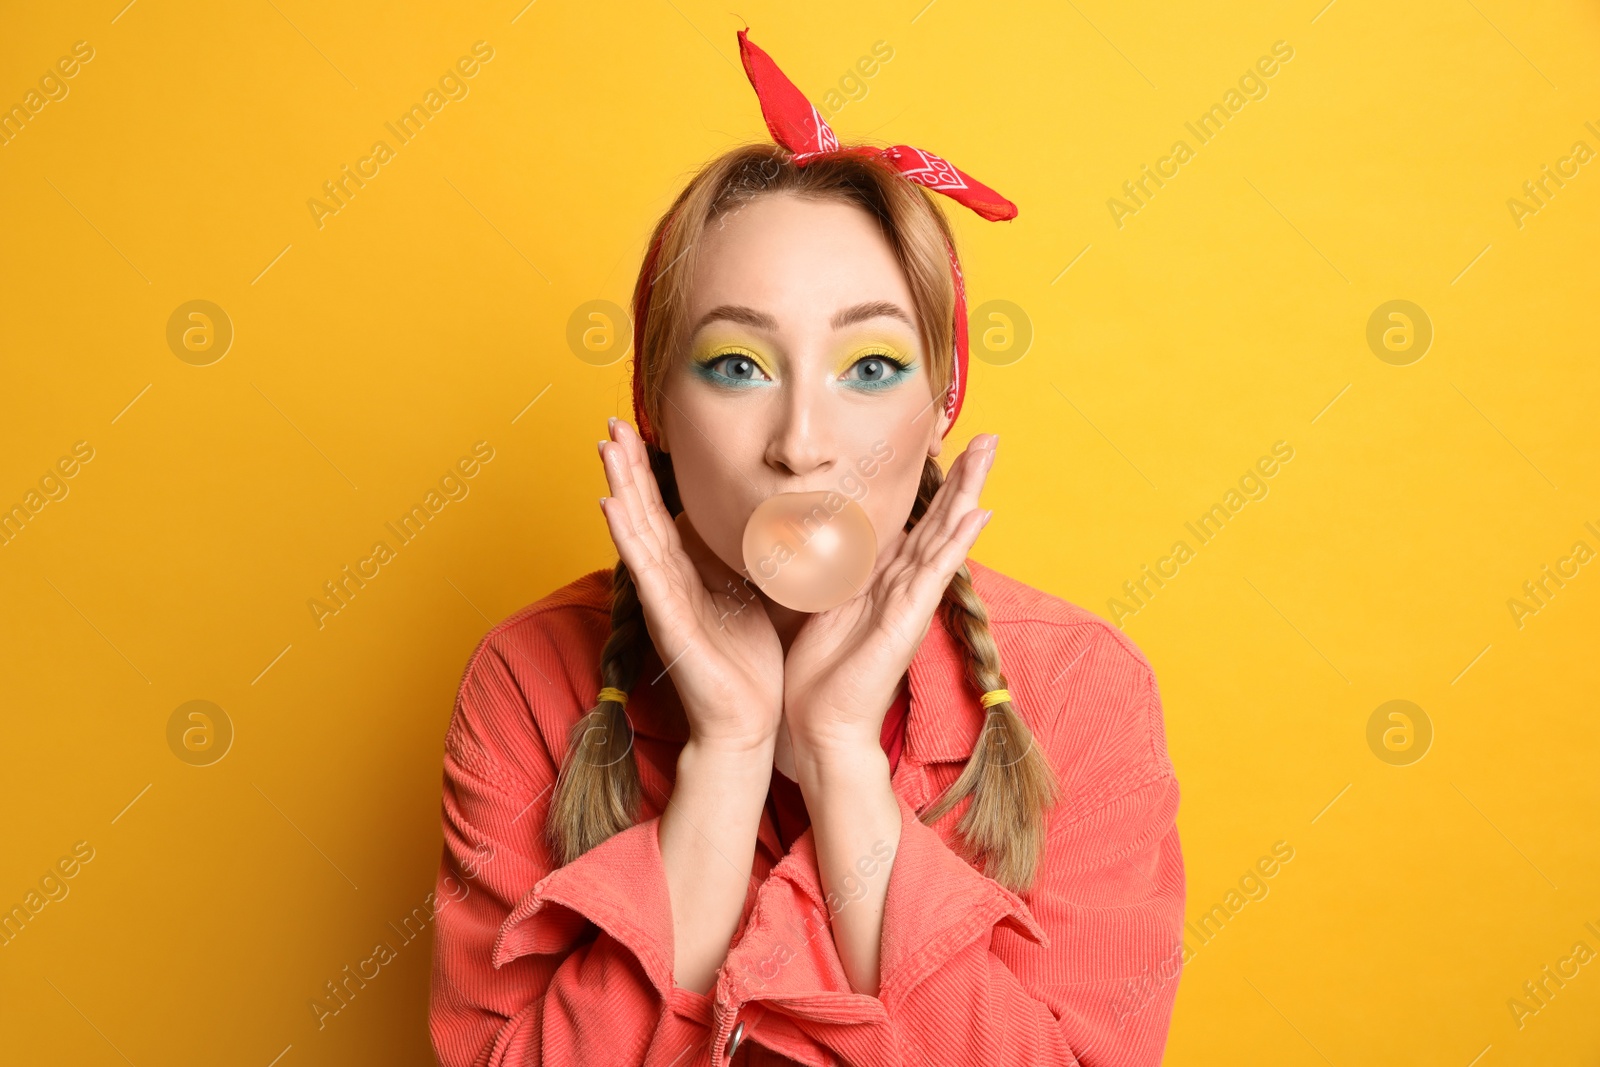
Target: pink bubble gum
x=810, y=551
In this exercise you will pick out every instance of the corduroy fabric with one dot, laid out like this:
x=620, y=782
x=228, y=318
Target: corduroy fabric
x=538, y=964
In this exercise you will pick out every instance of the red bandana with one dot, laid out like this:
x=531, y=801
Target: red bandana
x=795, y=124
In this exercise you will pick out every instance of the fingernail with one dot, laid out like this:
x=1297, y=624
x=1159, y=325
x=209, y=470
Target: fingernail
x=602, y=503
x=600, y=447
x=611, y=423
x=987, y=515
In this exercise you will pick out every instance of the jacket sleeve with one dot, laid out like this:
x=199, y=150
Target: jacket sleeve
x=537, y=964
x=1083, y=972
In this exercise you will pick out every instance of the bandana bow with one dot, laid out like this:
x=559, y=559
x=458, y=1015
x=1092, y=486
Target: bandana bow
x=796, y=125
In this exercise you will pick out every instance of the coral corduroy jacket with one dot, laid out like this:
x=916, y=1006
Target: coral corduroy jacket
x=536, y=963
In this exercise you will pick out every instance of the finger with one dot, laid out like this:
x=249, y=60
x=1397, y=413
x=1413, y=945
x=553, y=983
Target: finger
x=950, y=529
x=659, y=588
x=958, y=495
x=935, y=573
x=668, y=543
x=944, y=509
x=968, y=484
x=639, y=504
x=644, y=479
x=636, y=555
x=915, y=580
x=626, y=506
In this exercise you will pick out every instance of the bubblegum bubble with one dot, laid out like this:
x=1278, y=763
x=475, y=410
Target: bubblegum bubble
x=810, y=551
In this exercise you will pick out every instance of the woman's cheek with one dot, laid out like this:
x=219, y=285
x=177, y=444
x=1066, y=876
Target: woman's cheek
x=715, y=491
x=891, y=494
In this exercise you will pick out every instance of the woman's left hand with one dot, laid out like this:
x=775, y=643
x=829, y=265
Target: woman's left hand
x=845, y=665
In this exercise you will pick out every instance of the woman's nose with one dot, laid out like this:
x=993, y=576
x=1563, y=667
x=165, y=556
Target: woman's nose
x=800, y=443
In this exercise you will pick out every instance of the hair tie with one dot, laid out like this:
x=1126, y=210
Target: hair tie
x=797, y=125
x=614, y=695
x=996, y=696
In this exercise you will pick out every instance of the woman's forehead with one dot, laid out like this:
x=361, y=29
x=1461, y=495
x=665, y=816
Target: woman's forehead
x=796, y=259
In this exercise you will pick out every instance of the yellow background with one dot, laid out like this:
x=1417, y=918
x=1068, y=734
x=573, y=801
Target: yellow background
x=1228, y=314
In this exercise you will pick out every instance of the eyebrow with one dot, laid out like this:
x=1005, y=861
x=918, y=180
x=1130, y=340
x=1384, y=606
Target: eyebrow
x=848, y=316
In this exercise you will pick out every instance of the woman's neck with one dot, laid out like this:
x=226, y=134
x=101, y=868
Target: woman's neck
x=786, y=621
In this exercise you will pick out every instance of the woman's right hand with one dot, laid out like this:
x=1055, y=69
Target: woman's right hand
x=721, y=649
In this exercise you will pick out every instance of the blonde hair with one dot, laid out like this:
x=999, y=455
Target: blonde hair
x=597, y=790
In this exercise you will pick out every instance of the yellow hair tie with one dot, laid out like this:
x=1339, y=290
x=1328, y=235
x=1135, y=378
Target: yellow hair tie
x=617, y=695
x=996, y=696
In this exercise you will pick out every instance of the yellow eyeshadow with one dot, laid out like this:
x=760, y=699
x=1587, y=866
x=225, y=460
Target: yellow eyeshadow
x=877, y=348
x=713, y=352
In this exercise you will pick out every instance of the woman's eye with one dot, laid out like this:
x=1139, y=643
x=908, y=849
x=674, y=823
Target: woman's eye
x=874, y=369
x=739, y=368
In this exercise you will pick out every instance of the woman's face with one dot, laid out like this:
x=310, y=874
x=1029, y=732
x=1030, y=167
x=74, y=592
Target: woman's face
x=803, y=371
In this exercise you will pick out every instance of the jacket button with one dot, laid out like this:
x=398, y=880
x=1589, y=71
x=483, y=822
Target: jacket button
x=738, y=1035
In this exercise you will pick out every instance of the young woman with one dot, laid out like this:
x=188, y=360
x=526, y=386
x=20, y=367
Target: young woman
x=774, y=837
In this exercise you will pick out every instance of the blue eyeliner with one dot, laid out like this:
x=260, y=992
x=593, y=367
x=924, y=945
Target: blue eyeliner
x=897, y=373
x=706, y=369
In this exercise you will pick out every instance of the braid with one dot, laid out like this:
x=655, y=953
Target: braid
x=597, y=790
x=1010, y=792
